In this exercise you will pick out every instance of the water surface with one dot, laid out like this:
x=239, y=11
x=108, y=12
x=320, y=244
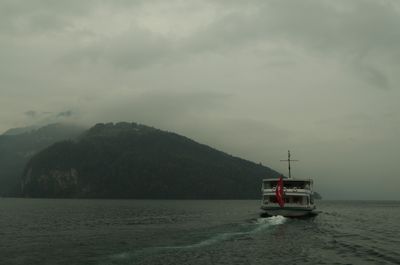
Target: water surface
x=46, y=231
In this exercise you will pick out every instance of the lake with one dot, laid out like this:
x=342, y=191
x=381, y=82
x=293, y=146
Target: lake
x=111, y=232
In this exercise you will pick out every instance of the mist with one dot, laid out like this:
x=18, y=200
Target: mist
x=251, y=78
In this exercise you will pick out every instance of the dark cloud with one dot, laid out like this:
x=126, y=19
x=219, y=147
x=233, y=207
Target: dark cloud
x=30, y=113
x=67, y=113
x=375, y=76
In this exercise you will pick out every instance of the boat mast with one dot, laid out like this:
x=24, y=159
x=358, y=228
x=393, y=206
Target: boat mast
x=289, y=160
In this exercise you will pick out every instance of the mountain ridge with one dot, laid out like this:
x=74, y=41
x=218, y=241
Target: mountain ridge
x=18, y=145
x=129, y=160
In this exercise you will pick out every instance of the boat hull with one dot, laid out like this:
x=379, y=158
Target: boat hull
x=288, y=212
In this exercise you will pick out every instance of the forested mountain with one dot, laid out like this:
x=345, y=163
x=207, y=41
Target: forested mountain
x=18, y=145
x=127, y=160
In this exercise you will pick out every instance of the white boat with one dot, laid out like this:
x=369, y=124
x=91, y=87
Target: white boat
x=287, y=196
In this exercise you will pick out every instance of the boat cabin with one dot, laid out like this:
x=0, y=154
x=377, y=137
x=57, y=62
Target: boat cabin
x=297, y=192
x=289, y=184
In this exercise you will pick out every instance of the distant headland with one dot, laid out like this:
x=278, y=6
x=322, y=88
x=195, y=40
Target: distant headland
x=122, y=160
x=128, y=160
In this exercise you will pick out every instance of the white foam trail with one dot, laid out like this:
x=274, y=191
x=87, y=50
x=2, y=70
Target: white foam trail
x=265, y=223
x=210, y=241
x=273, y=220
x=261, y=224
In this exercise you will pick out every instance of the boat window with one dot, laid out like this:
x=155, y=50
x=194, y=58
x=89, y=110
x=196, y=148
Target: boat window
x=297, y=184
x=272, y=199
x=267, y=185
x=298, y=200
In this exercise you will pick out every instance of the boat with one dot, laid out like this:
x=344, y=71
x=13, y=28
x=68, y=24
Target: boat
x=288, y=197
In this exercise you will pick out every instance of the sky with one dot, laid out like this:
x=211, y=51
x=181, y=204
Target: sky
x=251, y=78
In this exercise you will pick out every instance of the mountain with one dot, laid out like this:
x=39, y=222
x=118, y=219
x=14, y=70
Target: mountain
x=128, y=160
x=18, y=145
x=21, y=130
x=317, y=196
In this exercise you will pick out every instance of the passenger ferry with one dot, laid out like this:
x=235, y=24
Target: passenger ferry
x=287, y=196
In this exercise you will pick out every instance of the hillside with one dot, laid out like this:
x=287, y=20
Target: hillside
x=127, y=160
x=18, y=145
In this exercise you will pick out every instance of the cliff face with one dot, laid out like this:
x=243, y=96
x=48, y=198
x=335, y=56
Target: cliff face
x=54, y=183
x=19, y=145
x=127, y=160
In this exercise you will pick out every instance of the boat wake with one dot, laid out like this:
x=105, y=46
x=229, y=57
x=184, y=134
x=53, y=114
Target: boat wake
x=264, y=223
x=273, y=220
x=256, y=226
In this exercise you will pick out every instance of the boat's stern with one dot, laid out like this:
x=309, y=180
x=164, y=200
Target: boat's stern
x=298, y=198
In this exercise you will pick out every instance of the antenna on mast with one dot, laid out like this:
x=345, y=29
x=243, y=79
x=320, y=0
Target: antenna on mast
x=289, y=160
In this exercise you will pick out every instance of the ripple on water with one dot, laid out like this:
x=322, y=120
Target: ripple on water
x=194, y=232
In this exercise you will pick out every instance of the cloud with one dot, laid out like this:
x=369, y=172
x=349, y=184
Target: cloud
x=30, y=113
x=134, y=49
x=137, y=35
x=67, y=113
x=375, y=76
x=162, y=108
x=346, y=31
x=250, y=77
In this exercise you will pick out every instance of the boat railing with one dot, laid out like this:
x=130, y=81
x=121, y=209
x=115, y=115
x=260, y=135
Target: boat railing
x=294, y=205
x=291, y=190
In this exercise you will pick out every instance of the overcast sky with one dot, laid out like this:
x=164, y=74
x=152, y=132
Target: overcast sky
x=251, y=78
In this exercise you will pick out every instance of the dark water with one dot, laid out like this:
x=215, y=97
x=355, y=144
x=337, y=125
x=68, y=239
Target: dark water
x=194, y=232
